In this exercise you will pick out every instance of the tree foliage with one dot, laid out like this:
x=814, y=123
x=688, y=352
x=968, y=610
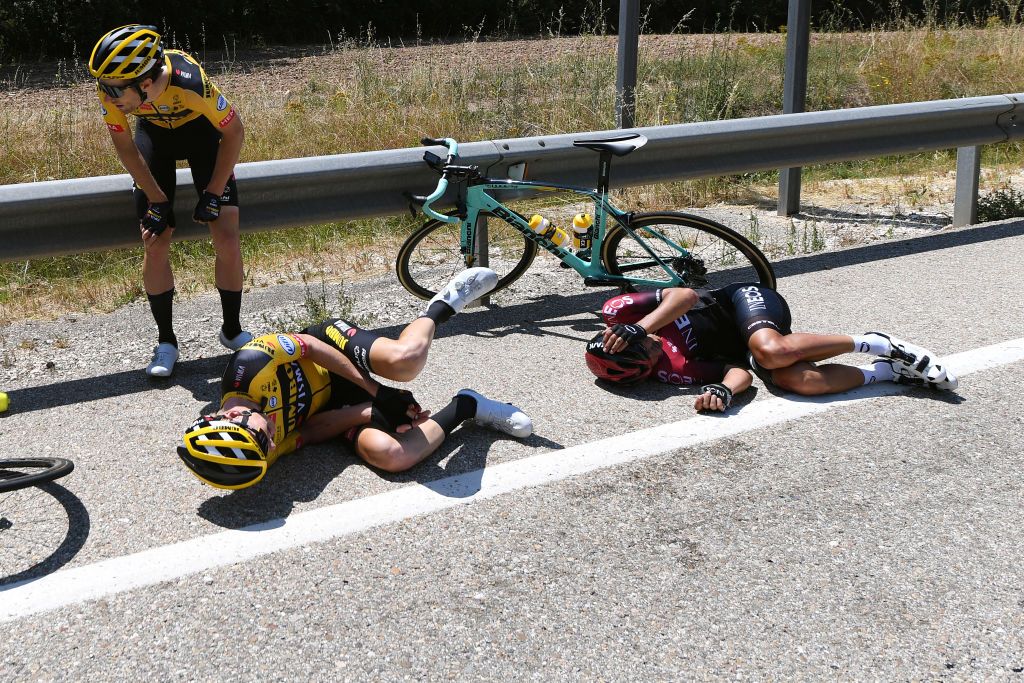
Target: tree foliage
x=50, y=29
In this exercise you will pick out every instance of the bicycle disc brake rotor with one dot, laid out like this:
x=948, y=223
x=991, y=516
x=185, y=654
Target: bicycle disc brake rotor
x=691, y=268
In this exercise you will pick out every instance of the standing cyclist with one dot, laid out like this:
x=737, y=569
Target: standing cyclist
x=709, y=338
x=181, y=115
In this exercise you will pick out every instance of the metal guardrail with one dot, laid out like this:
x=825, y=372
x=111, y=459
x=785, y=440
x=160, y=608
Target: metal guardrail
x=88, y=214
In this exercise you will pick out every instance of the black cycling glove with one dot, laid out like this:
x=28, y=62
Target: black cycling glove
x=156, y=217
x=208, y=208
x=720, y=390
x=631, y=333
x=392, y=405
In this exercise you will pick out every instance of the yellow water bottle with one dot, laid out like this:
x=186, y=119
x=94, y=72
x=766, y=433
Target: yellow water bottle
x=543, y=227
x=581, y=223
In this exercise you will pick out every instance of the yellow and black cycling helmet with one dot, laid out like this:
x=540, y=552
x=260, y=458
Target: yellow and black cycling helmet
x=128, y=52
x=224, y=454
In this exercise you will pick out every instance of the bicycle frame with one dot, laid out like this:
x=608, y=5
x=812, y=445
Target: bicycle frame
x=478, y=199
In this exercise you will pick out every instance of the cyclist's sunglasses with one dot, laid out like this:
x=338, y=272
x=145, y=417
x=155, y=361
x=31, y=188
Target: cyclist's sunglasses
x=116, y=91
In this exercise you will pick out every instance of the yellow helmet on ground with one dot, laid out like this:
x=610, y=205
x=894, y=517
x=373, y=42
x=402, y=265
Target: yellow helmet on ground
x=128, y=52
x=224, y=454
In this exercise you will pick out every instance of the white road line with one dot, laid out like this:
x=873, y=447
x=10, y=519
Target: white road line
x=116, y=575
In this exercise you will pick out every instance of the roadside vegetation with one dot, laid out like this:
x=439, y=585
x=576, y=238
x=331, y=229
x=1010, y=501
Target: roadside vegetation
x=357, y=95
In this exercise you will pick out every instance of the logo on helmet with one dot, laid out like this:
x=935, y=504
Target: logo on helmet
x=286, y=343
x=633, y=364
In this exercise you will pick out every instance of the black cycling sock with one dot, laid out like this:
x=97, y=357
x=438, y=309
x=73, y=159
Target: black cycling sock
x=460, y=409
x=162, y=306
x=438, y=311
x=231, y=304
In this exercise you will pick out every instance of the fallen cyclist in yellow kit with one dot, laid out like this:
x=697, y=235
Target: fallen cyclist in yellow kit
x=283, y=391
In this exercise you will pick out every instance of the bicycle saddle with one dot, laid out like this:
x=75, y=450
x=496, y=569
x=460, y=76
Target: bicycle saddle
x=620, y=145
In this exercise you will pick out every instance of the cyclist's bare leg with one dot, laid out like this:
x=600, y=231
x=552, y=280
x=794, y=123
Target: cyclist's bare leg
x=773, y=350
x=399, y=452
x=157, y=276
x=403, y=359
x=808, y=379
x=228, y=273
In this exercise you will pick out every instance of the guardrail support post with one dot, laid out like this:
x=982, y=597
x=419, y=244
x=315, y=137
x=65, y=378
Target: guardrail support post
x=483, y=255
x=625, y=80
x=968, y=172
x=794, y=95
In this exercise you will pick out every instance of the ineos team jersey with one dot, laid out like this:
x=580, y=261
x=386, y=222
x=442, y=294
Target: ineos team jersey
x=690, y=343
x=271, y=370
x=188, y=96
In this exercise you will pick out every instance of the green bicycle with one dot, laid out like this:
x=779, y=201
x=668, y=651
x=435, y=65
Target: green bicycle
x=634, y=251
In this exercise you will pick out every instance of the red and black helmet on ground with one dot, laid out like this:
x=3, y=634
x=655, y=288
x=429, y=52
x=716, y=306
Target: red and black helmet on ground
x=633, y=364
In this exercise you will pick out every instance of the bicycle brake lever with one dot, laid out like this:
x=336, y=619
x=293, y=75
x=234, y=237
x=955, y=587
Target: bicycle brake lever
x=416, y=202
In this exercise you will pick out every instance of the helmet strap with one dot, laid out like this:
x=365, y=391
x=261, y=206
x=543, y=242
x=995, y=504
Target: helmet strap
x=142, y=93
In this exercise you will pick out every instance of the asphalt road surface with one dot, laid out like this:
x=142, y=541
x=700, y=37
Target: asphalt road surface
x=873, y=535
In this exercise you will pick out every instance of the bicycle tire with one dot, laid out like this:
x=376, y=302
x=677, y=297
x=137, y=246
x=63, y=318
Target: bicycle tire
x=713, y=248
x=431, y=256
x=20, y=473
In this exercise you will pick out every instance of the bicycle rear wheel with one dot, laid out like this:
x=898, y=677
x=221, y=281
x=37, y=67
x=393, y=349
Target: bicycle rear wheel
x=702, y=252
x=19, y=473
x=432, y=255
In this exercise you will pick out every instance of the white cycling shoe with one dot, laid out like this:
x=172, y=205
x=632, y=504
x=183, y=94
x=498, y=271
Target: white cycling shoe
x=467, y=286
x=905, y=374
x=164, y=357
x=236, y=342
x=504, y=417
x=917, y=360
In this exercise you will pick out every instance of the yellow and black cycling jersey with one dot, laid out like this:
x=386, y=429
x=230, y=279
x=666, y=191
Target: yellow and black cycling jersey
x=189, y=95
x=272, y=371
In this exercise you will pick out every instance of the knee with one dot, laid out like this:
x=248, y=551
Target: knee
x=772, y=353
x=406, y=359
x=159, y=248
x=225, y=234
x=383, y=452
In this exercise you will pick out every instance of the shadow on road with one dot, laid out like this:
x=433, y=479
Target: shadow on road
x=534, y=317
x=31, y=509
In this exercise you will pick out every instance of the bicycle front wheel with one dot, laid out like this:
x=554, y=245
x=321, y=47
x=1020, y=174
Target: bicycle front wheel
x=432, y=255
x=700, y=251
x=19, y=473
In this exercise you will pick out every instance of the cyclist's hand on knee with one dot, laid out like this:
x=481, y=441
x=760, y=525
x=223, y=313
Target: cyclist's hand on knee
x=713, y=397
x=419, y=419
x=155, y=220
x=397, y=406
x=207, y=209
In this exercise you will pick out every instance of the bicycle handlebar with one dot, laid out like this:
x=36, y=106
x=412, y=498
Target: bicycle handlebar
x=442, y=184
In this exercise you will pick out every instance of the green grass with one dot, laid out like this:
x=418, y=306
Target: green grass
x=363, y=97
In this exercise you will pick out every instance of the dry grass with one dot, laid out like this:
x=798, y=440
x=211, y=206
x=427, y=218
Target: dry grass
x=352, y=98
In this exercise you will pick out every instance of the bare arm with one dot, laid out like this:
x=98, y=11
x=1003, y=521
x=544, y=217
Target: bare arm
x=227, y=156
x=331, y=423
x=675, y=302
x=136, y=166
x=334, y=361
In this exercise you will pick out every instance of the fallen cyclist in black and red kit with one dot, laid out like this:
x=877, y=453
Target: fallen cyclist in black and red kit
x=713, y=338
x=282, y=391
